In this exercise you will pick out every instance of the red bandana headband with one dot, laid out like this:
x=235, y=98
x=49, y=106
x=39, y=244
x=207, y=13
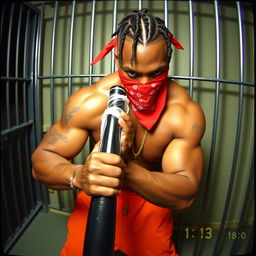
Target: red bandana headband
x=114, y=43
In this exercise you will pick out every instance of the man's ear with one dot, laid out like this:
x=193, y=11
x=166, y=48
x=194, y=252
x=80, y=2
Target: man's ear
x=116, y=57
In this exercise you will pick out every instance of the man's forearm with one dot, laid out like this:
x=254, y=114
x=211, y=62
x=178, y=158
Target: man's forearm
x=163, y=189
x=52, y=169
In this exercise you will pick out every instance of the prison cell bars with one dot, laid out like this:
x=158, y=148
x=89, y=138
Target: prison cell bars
x=243, y=210
x=218, y=81
x=218, y=244
x=8, y=113
x=214, y=128
x=52, y=82
x=38, y=99
x=19, y=172
x=19, y=128
x=17, y=213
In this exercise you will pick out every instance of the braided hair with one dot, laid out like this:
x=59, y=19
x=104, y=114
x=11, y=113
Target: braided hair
x=143, y=28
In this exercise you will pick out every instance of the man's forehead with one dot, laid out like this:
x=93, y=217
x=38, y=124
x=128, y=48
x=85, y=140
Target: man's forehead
x=148, y=57
x=156, y=46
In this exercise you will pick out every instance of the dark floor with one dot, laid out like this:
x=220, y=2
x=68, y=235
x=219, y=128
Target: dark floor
x=45, y=235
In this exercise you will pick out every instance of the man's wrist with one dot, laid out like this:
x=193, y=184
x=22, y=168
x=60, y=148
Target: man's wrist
x=72, y=179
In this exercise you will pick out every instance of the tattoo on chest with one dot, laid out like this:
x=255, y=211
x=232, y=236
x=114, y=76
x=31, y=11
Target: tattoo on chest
x=56, y=136
x=69, y=115
x=196, y=128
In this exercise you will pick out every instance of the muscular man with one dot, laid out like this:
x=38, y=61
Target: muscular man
x=162, y=161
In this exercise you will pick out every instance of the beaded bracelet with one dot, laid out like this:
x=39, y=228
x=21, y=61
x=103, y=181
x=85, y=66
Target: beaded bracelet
x=71, y=184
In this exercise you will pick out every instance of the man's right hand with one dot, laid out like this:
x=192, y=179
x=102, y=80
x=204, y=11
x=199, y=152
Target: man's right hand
x=101, y=175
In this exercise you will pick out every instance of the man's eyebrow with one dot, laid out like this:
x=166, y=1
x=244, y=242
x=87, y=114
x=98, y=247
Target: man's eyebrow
x=129, y=69
x=158, y=69
x=150, y=72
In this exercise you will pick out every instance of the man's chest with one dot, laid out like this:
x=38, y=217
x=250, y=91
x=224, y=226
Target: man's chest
x=148, y=147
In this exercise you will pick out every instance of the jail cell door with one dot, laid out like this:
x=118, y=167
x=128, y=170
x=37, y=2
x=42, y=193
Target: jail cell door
x=20, y=194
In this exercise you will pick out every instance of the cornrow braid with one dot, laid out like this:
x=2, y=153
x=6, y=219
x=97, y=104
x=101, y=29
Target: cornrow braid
x=143, y=28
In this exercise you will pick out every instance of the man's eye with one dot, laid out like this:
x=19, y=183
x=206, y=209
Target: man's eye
x=131, y=74
x=157, y=72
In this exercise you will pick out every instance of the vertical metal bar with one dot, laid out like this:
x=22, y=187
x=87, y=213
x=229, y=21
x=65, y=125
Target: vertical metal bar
x=241, y=42
x=41, y=191
x=20, y=175
x=91, y=40
x=5, y=205
x=250, y=243
x=52, y=93
x=71, y=37
x=17, y=106
x=4, y=200
x=166, y=13
x=60, y=200
x=245, y=203
x=19, y=167
x=140, y=4
x=238, y=133
x=214, y=128
x=12, y=182
x=37, y=70
x=27, y=168
x=2, y=17
x=8, y=68
x=25, y=71
x=17, y=68
x=191, y=40
x=91, y=54
x=113, y=30
x=52, y=62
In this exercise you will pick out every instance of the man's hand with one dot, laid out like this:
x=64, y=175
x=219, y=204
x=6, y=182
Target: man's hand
x=101, y=175
x=128, y=135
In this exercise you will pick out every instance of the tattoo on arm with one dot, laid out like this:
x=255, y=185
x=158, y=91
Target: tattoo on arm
x=196, y=128
x=56, y=136
x=69, y=115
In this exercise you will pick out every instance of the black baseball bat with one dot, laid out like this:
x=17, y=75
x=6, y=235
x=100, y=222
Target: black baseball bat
x=100, y=230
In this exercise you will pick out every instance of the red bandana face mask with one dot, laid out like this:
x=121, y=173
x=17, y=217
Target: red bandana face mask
x=143, y=96
x=147, y=100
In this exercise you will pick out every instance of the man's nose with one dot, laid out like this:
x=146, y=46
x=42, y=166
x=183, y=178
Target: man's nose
x=144, y=79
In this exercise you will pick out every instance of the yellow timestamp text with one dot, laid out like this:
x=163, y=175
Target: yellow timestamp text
x=233, y=235
x=201, y=233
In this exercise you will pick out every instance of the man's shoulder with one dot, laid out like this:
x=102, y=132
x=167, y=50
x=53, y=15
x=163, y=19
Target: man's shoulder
x=178, y=95
x=181, y=109
x=99, y=89
x=87, y=104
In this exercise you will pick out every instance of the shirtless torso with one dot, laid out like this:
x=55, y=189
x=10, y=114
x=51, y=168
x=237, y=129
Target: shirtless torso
x=168, y=170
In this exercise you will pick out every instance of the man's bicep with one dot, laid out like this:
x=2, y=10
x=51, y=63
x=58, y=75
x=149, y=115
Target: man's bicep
x=183, y=158
x=64, y=141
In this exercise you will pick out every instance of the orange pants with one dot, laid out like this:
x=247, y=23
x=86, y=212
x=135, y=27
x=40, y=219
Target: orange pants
x=142, y=228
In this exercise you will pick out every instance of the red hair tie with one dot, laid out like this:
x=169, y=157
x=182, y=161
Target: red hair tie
x=113, y=44
x=175, y=42
x=106, y=49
